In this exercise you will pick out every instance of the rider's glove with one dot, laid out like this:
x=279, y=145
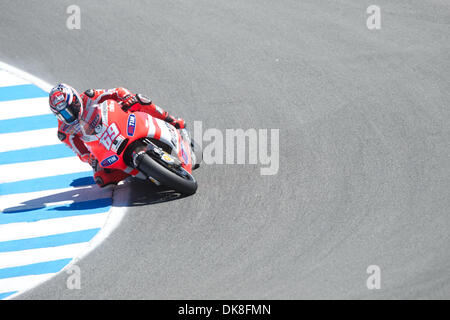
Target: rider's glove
x=128, y=101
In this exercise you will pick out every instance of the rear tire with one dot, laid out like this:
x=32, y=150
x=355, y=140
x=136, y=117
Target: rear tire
x=166, y=177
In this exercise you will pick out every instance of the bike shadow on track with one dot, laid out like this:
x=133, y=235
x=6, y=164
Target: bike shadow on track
x=129, y=193
x=89, y=198
x=134, y=192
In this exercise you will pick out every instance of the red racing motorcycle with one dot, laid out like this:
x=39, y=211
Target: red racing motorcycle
x=141, y=145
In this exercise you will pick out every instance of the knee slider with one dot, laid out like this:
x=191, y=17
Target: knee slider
x=144, y=100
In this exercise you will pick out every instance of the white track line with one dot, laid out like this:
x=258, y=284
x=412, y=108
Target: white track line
x=24, y=257
x=40, y=169
x=8, y=79
x=23, y=283
x=46, y=227
x=24, y=108
x=17, y=73
x=28, y=139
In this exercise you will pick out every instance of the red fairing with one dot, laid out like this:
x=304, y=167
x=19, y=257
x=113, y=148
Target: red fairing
x=119, y=129
x=101, y=145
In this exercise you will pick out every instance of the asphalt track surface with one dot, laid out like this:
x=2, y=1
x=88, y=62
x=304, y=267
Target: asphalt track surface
x=364, y=143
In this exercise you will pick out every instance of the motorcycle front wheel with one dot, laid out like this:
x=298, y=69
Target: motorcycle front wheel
x=184, y=183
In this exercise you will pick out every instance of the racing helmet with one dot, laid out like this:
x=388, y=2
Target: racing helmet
x=65, y=103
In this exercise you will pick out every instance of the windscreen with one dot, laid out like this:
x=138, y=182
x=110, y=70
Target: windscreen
x=91, y=120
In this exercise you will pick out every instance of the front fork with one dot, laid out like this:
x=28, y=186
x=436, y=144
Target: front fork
x=156, y=153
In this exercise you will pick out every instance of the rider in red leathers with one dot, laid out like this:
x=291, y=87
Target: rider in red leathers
x=67, y=105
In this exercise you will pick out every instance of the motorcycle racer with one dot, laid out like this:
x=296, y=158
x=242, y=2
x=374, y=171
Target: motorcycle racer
x=67, y=105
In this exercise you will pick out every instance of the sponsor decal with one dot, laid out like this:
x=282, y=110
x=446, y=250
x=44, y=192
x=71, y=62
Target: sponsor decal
x=109, y=136
x=131, y=124
x=94, y=123
x=167, y=158
x=117, y=143
x=109, y=161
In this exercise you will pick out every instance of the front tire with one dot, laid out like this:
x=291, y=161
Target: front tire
x=153, y=169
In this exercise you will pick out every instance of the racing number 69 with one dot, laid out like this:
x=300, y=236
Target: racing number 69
x=108, y=137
